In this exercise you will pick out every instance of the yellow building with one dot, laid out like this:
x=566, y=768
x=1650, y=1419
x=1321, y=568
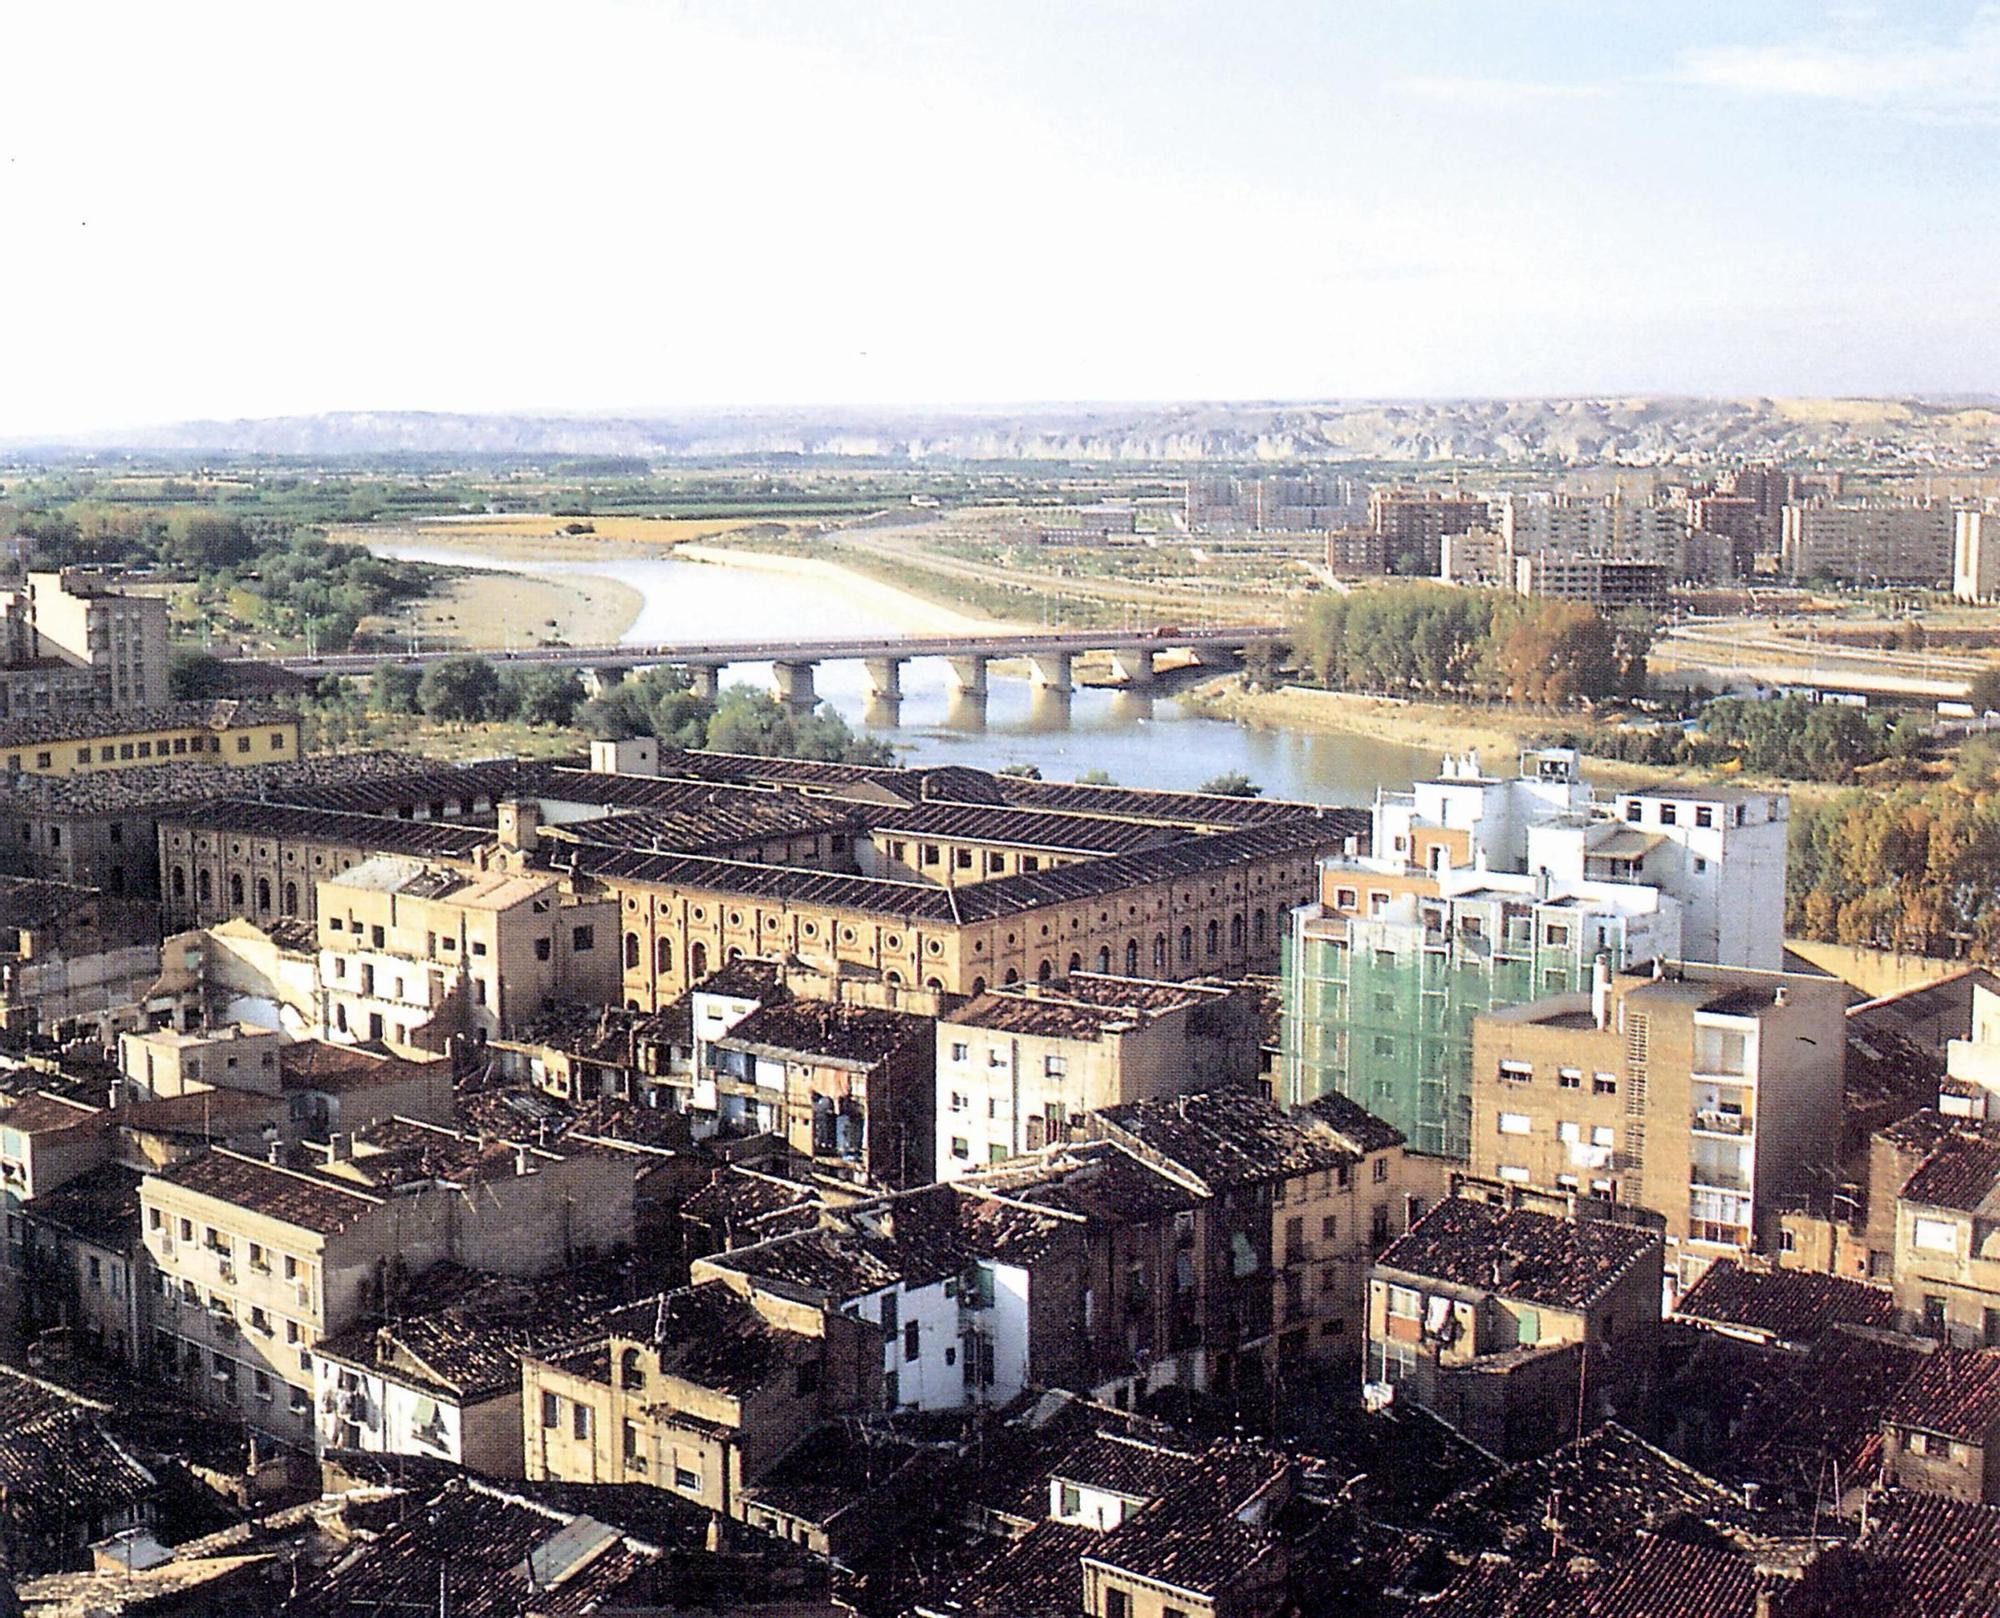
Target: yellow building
x=226, y=731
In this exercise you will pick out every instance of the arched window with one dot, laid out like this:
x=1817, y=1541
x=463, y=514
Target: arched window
x=236, y=889
x=1187, y=944
x=663, y=955
x=1045, y=971
x=698, y=962
x=631, y=1373
x=1236, y=932
x=1076, y=963
x=1104, y=957
x=978, y=986
x=735, y=954
x=1214, y=936
x=1160, y=953
x=291, y=898
x=1012, y=976
x=180, y=882
x=264, y=895
x=202, y=887
x=631, y=951
x=934, y=983
x=1131, y=957
x=1257, y=928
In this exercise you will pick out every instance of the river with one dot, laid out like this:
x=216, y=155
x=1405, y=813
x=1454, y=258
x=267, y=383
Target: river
x=1138, y=740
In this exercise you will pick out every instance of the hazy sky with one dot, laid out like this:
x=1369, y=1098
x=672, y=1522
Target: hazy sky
x=587, y=204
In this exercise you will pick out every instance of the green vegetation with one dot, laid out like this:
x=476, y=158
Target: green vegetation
x=1790, y=737
x=1917, y=868
x=1232, y=784
x=660, y=702
x=1433, y=640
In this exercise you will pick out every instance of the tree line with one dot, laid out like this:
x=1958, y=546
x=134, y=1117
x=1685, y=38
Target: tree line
x=1789, y=737
x=1437, y=641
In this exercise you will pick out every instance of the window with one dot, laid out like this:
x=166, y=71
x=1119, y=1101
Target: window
x=580, y=1421
x=1935, y=1235
x=1516, y=1072
x=1601, y=1135
x=1569, y=1078
x=242, y=744
x=912, y=1342
x=1668, y=814
x=1515, y=1123
x=1603, y=1084
x=805, y=1380
x=959, y=1051
x=1405, y=1303
x=961, y=1148
x=892, y=1390
x=1514, y=1173
x=687, y=1481
x=1569, y=1131
x=582, y=940
x=1329, y=1227
x=551, y=1410
x=542, y=949
x=890, y=1313
x=1381, y=1170
x=1054, y=1067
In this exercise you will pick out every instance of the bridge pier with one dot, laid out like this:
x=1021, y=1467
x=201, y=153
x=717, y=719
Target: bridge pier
x=1048, y=707
x=885, y=678
x=795, y=686
x=704, y=679
x=1134, y=668
x=597, y=681
x=968, y=674
x=1211, y=656
x=1051, y=670
x=882, y=713
x=966, y=710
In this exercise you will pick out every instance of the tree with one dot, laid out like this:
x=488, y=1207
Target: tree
x=1095, y=778
x=1984, y=691
x=393, y=689
x=460, y=688
x=198, y=538
x=1231, y=784
x=541, y=696
x=193, y=675
x=1021, y=772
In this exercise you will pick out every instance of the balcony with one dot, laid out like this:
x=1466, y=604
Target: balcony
x=1738, y=1125
x=1714, y=1177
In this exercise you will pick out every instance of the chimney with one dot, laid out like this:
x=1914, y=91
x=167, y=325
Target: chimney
x=521, y=1168
x=1600, y=990
x=340, y=1147
x=1778, y=995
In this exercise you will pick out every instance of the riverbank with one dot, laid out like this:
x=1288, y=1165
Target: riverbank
x=489, y=611
x=1497, y=734
x=907, y=610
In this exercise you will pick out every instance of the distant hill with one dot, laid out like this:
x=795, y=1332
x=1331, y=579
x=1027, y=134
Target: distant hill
x=1634, y=431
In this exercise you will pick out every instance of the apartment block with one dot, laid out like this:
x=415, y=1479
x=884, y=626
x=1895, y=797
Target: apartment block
x=1614, y=527
x=1975, y=552
x=1487, y=892
x=1708, y=1096
x=1018, y=1067
x=256, y=1261
x=1869, y=543
x=1412, y=525
x=75, y=640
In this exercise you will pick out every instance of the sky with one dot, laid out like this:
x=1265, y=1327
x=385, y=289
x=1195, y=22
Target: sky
x=213, y=210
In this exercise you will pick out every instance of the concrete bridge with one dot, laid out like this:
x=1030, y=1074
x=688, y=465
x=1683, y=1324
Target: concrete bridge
x=1049, y=657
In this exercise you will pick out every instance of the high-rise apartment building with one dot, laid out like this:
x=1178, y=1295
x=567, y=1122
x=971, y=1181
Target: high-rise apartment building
x=1483, y=893
x=1872, y=543
x=1706, y=1094
x=72, y=640
x=1975, y=552
x=1566, y=528
x=1284, y=503
x=1414, y=523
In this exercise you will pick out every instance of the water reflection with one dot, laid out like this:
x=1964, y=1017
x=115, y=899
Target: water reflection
x=1144, y=737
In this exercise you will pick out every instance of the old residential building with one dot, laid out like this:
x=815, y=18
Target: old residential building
x=258, y=1261
x=1492, y=1316
x=74, y=962
x=697, y=1391
x=421, y=955
x=1708, y=1096
x=1941, y=1432
x=1018, y=1067
x=1947, y=1233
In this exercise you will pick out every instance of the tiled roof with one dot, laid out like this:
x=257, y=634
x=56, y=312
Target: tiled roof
x=738, y=1201
x=1039, y=1575
x=1021, y=828
x=44, y=1114
x=1514, y=1253
x=831, y=1030
x=707, y=1334
x=745, y=978
x=100, y=1206
x=380, y=834
x=1098, y=1179
x=709, y=819
x=1963, y=1174
x=463, y=1332
x=1225, y=1137
x=162, y=788
x=1929, y=1557
x=223, y=713
x=1663, y=1578
x=1784, y=1305
x=1598, y=1489
x=58, y=1465
x=1082, y=1006
x=1353, y=1122
x=1191, y=1537
x=479, y=1552
x=293, y=1197
x=1955, y=1392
